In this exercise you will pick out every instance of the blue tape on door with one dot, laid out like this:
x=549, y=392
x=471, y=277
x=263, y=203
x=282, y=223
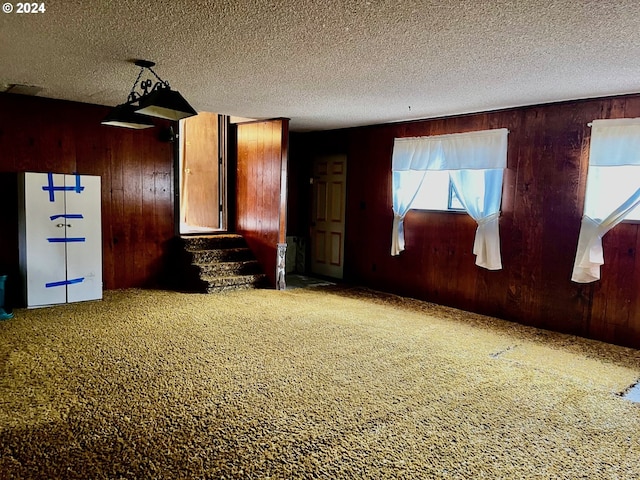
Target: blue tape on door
x=79, y=188
x=51, y=188
x=64, y=282
x=67, y=240
x=66, y=215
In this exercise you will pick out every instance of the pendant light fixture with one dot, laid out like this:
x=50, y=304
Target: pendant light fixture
x=155, y=100
x=125, y=116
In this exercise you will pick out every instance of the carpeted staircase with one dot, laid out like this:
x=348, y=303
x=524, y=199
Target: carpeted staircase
x=216, y=263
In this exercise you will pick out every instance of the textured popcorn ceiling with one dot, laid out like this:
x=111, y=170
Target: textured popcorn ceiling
x=329, y=64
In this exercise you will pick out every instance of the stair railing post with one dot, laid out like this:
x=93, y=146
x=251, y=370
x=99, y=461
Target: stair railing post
x=281, y=267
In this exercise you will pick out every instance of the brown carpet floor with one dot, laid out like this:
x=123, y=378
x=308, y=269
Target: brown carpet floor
x=306, y=383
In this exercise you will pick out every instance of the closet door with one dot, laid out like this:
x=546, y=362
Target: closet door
x=83, y=237
x=44, y=252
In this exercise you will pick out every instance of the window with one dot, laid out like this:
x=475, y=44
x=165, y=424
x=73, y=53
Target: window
x=613, y=190
x=446, y=172
x=437, y=193
x=602, y=182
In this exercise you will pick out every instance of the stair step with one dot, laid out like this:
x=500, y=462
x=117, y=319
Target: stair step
x=214, y=263
x=233, y=282
x=212, y=242
x=200, y=257
x=245, y=267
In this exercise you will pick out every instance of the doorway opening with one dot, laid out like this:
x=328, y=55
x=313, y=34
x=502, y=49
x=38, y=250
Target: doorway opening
x=202, y=161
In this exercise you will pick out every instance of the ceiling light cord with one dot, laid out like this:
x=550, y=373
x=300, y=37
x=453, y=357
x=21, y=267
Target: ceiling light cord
x=133, y=96
x=162, y=82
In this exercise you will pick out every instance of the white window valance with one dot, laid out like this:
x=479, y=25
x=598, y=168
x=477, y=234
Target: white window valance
x=486, y=149
x=615, y=142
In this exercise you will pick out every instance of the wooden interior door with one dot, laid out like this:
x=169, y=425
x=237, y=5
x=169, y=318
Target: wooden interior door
x=327, y=221
x=200, y=204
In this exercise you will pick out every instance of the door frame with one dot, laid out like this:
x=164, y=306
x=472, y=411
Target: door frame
x=223, y=176
x=312, y=240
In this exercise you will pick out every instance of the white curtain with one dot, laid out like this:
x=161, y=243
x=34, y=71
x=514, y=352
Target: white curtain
x=406, y=186
x=614, y=161
x=480, y=192
x=476, y=161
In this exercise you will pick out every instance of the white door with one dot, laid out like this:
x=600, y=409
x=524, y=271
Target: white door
x=45, y=239
x=84, y=238
x=327, y=222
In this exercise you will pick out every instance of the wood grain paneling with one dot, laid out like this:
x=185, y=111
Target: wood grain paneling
x=542, y=206
x=261, y=193
x=42, y=135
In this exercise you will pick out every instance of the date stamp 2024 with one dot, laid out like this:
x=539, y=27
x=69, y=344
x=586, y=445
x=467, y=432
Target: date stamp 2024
x=26, y=7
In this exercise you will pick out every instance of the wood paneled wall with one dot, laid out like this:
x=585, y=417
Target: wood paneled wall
x=261, y=193
x=44, y=135
x=542, y=206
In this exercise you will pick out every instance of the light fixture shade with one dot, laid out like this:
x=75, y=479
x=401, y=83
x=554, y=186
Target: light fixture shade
x=165, y=103
x=125, y=116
